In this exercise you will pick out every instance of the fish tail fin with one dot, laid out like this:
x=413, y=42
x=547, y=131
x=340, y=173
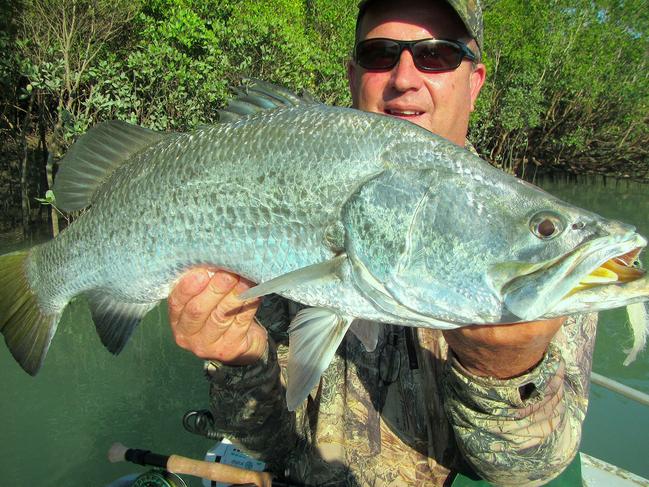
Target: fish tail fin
x=27, y=330
x=639, y=321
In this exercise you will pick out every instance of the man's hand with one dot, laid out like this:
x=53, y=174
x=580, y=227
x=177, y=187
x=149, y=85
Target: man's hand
x=208, y=318
x=502, y=351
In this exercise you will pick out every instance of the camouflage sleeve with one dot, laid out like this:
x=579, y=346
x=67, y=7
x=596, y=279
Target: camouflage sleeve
x=248, y=403
x=249, y=407
x=526, y=430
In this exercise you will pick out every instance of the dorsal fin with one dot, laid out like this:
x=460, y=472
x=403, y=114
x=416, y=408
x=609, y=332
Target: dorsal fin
x=94, y=157
x=258, y=96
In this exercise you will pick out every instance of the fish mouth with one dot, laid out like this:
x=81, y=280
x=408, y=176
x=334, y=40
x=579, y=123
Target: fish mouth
x=617, y=270
x=599, y=269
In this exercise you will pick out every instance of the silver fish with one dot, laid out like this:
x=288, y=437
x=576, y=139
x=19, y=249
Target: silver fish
x=362, y=217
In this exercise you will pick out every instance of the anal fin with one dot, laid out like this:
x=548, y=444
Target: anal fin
x=115, y=320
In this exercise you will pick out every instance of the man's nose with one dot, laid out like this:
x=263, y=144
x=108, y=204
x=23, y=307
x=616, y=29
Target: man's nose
x=405, y=75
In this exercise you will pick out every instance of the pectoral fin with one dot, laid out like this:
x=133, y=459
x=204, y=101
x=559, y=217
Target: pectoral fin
x=307, y=275
x=314, y=337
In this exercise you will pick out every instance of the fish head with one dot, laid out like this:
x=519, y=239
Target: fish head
x=590, y=263
x=479, y=247
x=579, y=252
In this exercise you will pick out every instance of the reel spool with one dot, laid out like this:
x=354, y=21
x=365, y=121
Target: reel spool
x=159, y=478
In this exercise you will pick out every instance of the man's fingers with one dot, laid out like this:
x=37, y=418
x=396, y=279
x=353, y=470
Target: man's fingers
x=208, y=317
x=230, y=320
x=243, y=341
x=253, y=346
x=187, y=287
x=188, y=316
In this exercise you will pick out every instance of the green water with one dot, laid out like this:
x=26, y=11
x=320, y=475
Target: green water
x=58, y=426
x=616, y=429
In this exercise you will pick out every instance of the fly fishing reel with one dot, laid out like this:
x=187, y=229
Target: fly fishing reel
x=159, y=478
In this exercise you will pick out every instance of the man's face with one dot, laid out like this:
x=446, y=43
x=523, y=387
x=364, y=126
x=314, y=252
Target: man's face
x=440, y=102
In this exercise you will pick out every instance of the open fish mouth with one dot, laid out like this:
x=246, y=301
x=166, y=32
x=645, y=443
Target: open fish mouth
x=621, y=269
x=596, y=274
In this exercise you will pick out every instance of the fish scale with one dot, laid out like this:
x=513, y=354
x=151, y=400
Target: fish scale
x=177, y=214
x=354, y=215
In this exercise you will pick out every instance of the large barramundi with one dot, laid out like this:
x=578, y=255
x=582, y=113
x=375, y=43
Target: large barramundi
x=357, y=215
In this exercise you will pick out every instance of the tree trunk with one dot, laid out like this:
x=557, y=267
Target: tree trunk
x=24, y=166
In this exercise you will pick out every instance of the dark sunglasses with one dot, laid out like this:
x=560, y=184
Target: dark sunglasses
x=428, y=54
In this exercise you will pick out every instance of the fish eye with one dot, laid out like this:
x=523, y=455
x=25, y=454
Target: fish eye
x=546, y=225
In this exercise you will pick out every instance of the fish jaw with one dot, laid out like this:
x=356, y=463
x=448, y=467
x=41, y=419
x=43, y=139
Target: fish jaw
x=598, y=298
x=539, y=290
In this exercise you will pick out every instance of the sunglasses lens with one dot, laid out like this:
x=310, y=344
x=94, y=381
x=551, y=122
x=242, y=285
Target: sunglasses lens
x=377, y=54
x=437, y=55
x=428, y=54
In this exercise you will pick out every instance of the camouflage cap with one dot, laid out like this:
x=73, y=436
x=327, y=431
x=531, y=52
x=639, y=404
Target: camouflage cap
x=469, y=11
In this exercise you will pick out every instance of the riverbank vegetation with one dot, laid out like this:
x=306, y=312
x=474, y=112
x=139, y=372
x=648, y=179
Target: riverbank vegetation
x=567, y=90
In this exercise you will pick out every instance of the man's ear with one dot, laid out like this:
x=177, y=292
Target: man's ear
x=478, y=76
x=352, y=81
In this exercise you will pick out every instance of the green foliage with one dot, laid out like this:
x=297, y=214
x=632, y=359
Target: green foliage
x=567, y=86
x=9, y=57
x=49, y=198
x=176, y=68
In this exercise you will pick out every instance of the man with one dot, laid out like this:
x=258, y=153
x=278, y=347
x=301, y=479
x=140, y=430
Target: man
x=506, y=402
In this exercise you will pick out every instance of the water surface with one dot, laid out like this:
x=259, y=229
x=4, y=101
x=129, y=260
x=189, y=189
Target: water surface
x=57, y=427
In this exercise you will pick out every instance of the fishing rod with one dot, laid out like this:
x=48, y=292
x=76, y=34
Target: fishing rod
x=182, y=465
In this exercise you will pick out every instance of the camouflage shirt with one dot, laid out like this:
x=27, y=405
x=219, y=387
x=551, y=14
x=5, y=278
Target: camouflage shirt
x=407, y=413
